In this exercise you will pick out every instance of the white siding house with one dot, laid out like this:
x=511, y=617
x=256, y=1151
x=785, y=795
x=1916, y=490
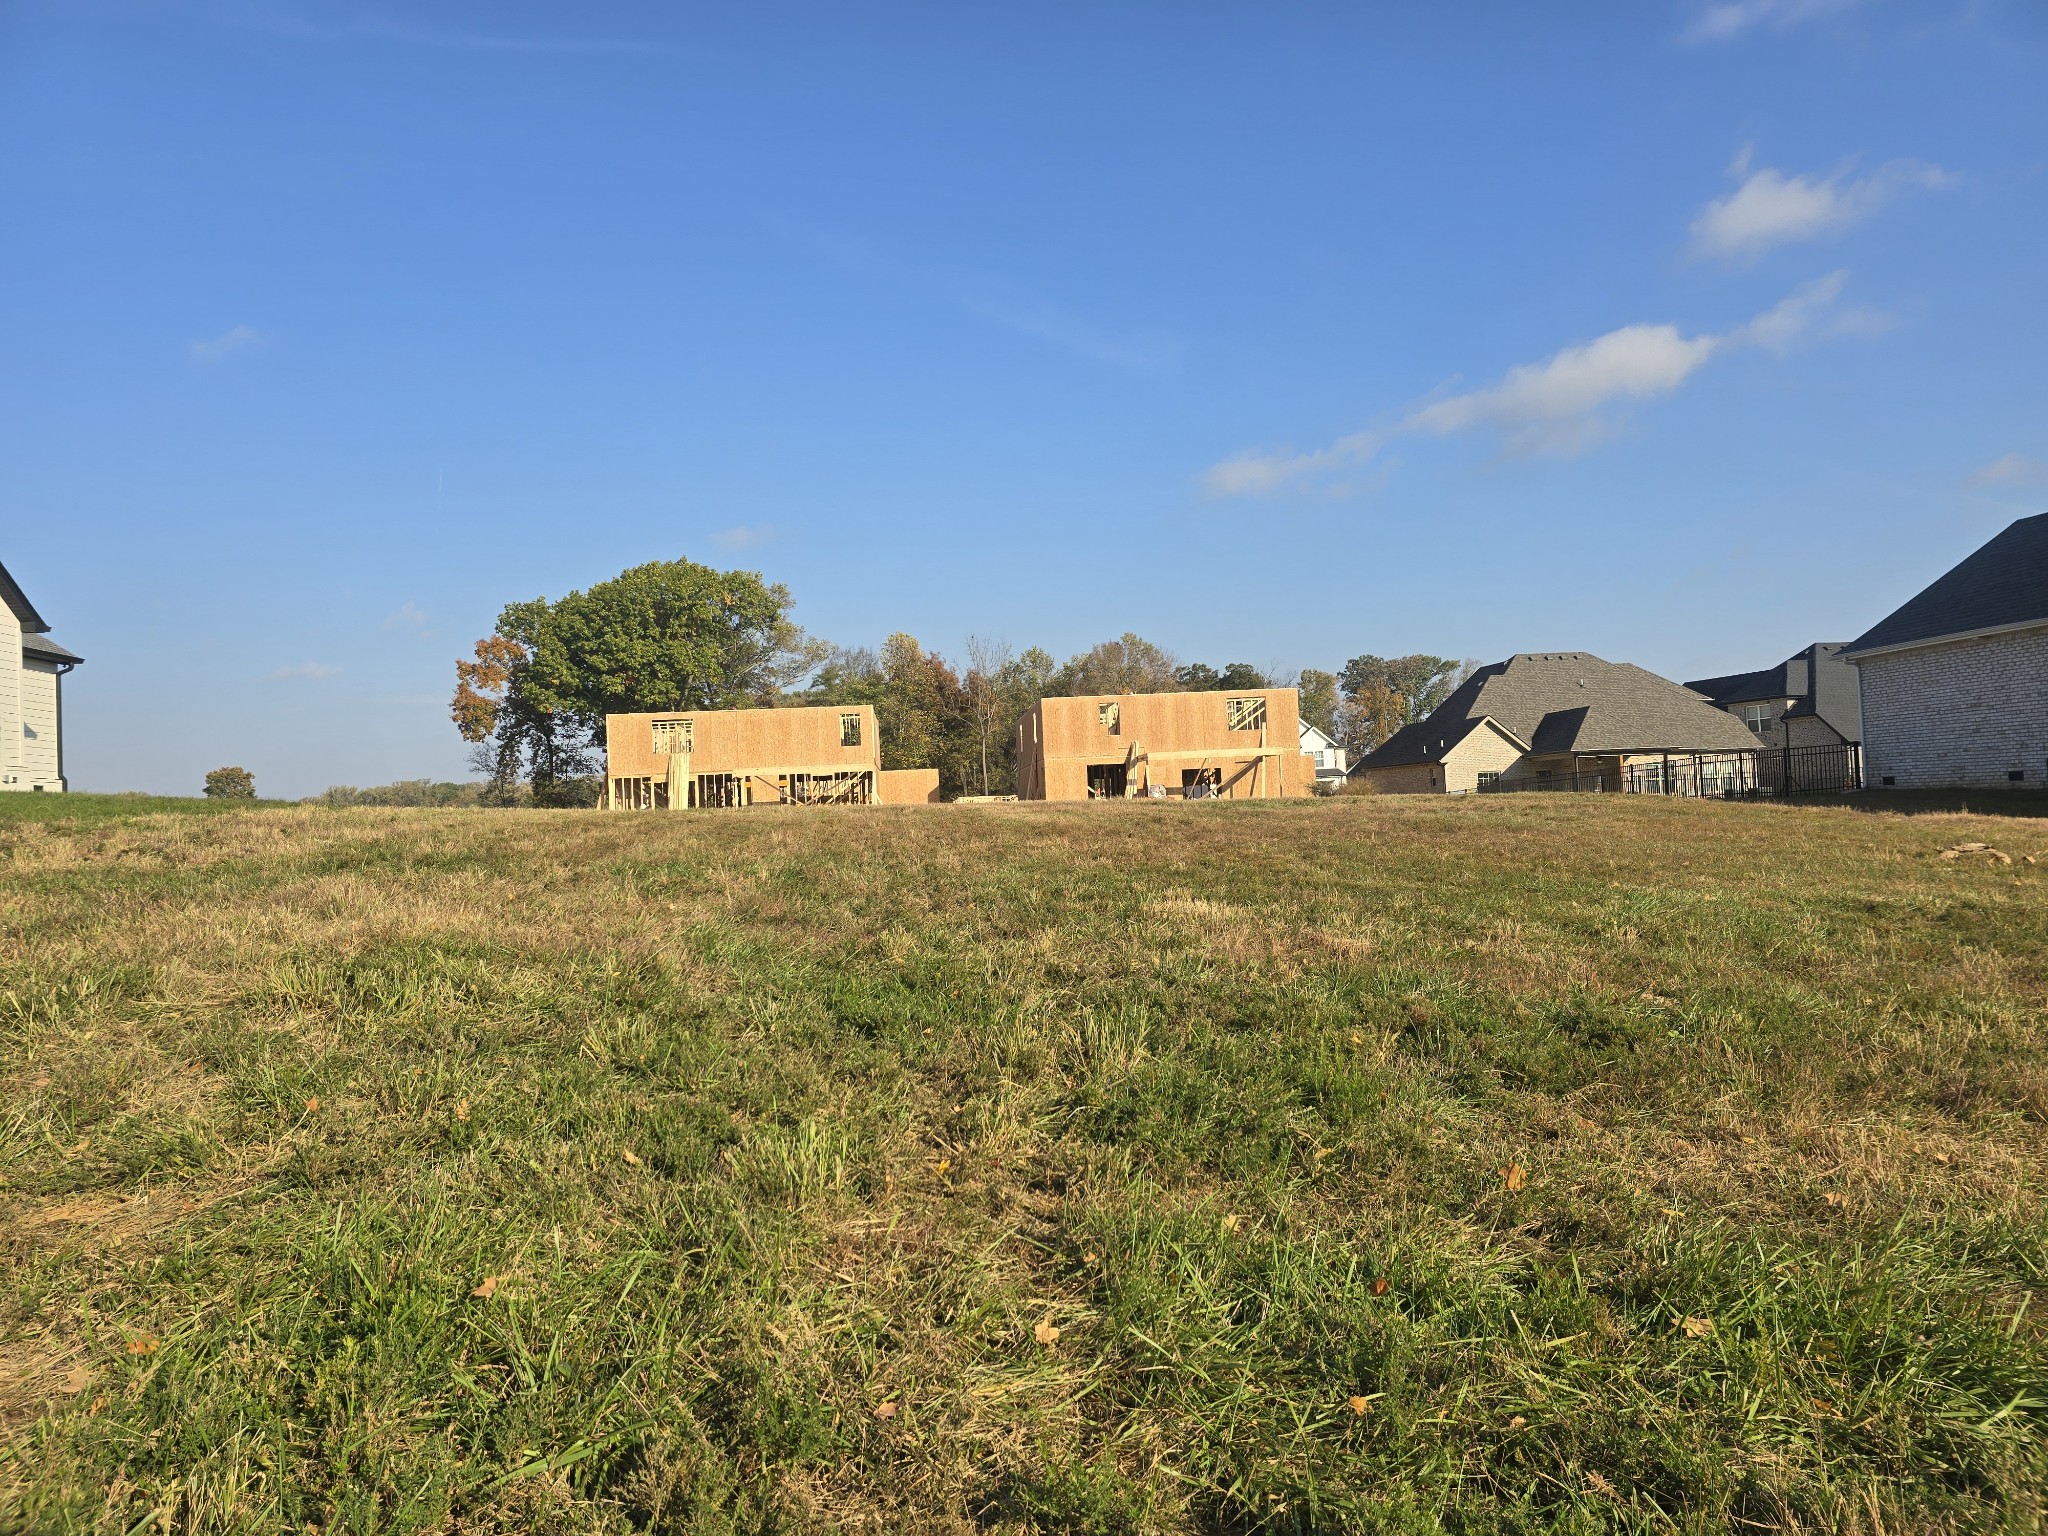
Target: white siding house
x=32, y=668
x=1329, y=757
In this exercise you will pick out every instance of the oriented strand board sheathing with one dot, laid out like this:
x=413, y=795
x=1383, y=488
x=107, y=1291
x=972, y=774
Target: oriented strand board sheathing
x=752, y=757
x=909, y=786
x=1164, y=740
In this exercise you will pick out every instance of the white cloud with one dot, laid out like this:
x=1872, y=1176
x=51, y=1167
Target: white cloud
x=1728, y=20
x=240, y=339
x=2013, y=469
x=742, y=538
x=1560, y=405
x=409, y=617
x=304, y=669
x=1771, y=208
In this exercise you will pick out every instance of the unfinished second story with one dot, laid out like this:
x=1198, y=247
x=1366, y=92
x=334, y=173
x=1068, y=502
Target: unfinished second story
x=1233, y=744
x=692, y=759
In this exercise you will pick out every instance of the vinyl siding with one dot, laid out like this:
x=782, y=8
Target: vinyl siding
x=39, y=757
x=12, y=774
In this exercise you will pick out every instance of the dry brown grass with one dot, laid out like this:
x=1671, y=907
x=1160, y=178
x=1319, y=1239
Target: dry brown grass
x=765, y=1120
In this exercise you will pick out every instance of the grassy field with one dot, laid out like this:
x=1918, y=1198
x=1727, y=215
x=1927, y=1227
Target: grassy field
x=1528, y=1163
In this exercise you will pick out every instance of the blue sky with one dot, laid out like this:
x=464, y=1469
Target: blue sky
x=1684, y=333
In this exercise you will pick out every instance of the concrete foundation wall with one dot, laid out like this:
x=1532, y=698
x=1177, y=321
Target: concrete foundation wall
x=1961, y=716
x=1161, y=737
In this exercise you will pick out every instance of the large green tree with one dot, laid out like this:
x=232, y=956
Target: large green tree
x=1127, y=664
x=1382, y=694
x=1318, y=692
x=668, y=635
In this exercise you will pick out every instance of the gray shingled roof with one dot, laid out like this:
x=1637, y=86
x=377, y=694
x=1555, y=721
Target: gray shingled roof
x=1816, y=679
x=43, y=647
x=2004, y=583
x=1570, y=701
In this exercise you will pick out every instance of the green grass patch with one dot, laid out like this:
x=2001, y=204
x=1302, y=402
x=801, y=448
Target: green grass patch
x=1516, y=1164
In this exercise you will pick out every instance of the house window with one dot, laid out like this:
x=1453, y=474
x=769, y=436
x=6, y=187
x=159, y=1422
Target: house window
x=1244, y=714
x=671, y=736
x=1759, y=717
x=1111, y=716
x=849, y=730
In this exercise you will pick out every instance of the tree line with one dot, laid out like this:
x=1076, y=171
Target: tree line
x=675, y=636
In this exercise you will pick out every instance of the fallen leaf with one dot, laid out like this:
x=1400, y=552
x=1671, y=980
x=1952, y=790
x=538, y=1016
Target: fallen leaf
x=99, y=1405
x=1822, y=1405
x=1695, y=1327
x=1599, y=1484
x=1087, y=1258
x=1046, y=1333
x=1518, y=1422
x=74, y=1381
x=631, y=1160
x=462, y=1109
x=885, y=1410
x=942, y=1165
x=1230, y=1223
x=1323, y=1152
x=1379, y=1286
x=313, y=1106
x=1514, y=1176
x=1832, y=1198
x=143, y=1344
x=487, y=1287
x=1359, y=1406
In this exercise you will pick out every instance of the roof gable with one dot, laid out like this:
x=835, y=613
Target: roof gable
x=2003, y=585
x=17, y=600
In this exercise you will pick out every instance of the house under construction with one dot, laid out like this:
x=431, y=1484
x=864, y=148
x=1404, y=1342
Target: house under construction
x=700, y=759
x=1233, y=745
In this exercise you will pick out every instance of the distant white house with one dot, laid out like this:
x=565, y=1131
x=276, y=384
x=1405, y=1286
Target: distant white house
x=32, y=666
x=1330, y=758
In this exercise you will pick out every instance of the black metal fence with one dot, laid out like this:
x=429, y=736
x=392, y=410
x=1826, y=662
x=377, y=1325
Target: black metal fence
x=1762, y=772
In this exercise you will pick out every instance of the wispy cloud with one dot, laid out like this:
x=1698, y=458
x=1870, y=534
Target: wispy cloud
x=1770, y=208
x=1729, y=19
x=998, y=300
x=1563, y=404
x=2013, y=469
x=304, y=670
x=409, y=617
x=742, y=538
x=241, y=338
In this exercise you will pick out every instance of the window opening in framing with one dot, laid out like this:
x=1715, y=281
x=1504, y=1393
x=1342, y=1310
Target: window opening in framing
x=849, y=730
x=633, y=794
x=1244, y=714
x=1111, y=718
x=1200, y=783
x=672, y=736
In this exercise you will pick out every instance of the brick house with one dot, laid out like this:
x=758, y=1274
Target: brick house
x=32, y=669
x=1955, y=682
x=1807, y=700
x=1554, y=718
